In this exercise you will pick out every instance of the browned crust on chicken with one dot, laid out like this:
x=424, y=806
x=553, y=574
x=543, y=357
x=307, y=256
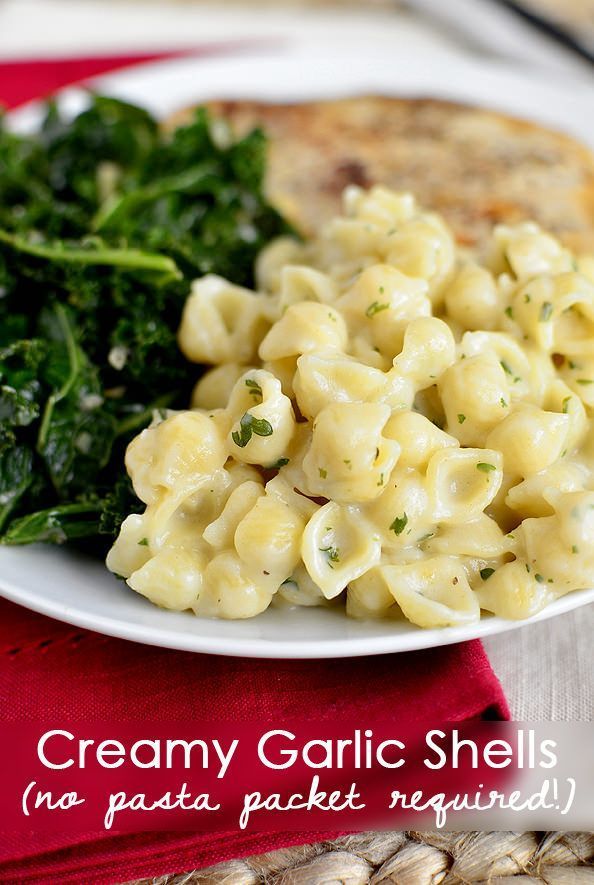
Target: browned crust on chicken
x=475, y=166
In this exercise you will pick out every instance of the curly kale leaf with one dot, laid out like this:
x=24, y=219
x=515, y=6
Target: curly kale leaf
x=53, y=182
x=210, y=216
x=16, y=474
x=104, y=221
x=76, y=434
x=92, y=252
x=119, y=503
x=66, y=522
x=20, y=387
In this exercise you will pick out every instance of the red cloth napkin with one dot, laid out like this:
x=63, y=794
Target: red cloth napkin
x=25, y=79
x=50, y=671
x=22, y=80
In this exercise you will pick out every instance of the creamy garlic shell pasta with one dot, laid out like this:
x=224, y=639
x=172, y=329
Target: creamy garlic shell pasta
x=386, y=424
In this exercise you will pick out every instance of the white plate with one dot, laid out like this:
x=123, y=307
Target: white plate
x=81, y=591
x=71, y=588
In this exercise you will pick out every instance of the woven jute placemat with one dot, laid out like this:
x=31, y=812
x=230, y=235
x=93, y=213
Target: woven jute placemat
x=410, y=858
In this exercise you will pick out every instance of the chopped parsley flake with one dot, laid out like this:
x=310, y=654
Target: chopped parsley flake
x=584, y=381
x=280, y=463
x=381, y=480
x=486, y=573
x=573, y=365
x=546, y=312
x=509, y=312
x=143, y=542
x=399, y=524
x=506, y=367
x=254, y=387
x=375, y=307
x=503, y=403
x=566, y=402
x=574, y=548
x=332, y=553
x=249, y=425
x=485, y=467
x=527, y=298
x=323, y=473
x=539, y=578
x=461, y=418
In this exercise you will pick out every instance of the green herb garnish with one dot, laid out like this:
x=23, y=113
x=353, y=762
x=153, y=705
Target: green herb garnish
x=332, y=554
x=485, y=467
x=399, y=524
x=461, y=418
x=254, y=387
x=546, y=312
x=248, y=426
x=280, y=463
x=374, y=308
x=486, y=573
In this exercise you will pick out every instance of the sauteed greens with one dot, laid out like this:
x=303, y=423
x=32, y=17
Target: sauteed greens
x=104, y=220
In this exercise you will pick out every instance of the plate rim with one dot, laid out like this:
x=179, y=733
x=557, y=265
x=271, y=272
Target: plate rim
x=560, y=105
x=417, y=639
